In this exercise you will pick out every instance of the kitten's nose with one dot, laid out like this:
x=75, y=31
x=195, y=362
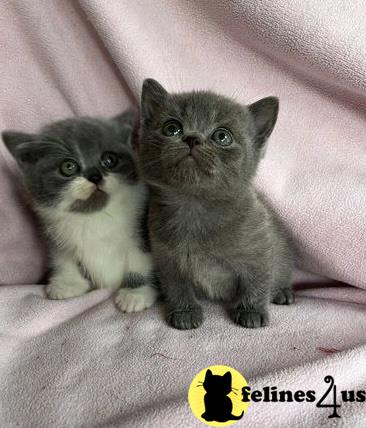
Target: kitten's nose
x=94, y=176
x=191, y=140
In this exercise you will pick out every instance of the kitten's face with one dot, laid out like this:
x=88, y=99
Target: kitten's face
x=199, y=140
x=75, y=165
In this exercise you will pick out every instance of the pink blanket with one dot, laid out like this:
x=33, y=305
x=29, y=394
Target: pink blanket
x=81, y=362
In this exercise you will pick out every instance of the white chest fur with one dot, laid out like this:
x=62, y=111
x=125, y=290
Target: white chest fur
x=104, y=242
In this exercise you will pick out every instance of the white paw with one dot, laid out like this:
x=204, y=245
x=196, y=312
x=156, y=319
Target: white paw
x=136, y=299
x=58, y=290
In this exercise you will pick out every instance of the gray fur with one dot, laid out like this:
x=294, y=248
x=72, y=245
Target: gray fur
x=95, y=202
x=83, y=140
x=211, y=234
x=133, y=280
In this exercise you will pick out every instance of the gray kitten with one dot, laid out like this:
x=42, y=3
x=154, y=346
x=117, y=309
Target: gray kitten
x=82, y=178
x=211, y=234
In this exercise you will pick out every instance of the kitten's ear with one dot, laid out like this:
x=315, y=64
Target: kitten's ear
x=25, y=148
x=127, y=127
x=227, y=377
x=208, y=374
x=264, y=113
x=13, y=138
x=126, y=119
x=153, y=96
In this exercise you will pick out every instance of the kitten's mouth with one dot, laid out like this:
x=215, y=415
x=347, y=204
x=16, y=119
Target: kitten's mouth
x=189, y=158
x=97, y=191
x=95, y=202
x=190, y=167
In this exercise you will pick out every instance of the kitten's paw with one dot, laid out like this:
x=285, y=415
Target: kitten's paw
x=284, y=296
x=251, y=319
x=58, y=290
x=136, y=299
x=186, y=319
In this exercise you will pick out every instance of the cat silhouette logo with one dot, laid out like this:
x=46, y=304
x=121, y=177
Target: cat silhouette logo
x=215, y=396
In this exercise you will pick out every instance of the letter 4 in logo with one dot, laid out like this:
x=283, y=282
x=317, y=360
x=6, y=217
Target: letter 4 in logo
x=215, y=396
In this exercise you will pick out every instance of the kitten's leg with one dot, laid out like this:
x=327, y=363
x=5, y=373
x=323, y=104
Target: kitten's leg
x=137, y=290
x=284, y=296
x=253, y=298
x=282, y=293
x=136, y=294
x=66, y=280
x=184, y=312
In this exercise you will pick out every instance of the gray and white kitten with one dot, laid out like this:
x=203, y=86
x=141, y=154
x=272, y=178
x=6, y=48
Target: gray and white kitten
x=82, y=179
x=211, y=234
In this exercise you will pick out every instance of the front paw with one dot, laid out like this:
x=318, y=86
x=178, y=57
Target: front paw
x=136, y=299
x=62, y=290
x=251, y=319
x=186, y=319
x=284, y=296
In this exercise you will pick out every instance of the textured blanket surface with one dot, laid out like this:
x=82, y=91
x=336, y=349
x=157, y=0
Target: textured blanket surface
x=81, y=362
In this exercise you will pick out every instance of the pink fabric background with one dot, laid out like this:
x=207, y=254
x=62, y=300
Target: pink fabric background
x=90, y=57
x=81, y=362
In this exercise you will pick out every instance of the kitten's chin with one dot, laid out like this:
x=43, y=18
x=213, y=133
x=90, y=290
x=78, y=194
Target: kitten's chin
x=190, y=170
x=96, y=202
x=188, y=161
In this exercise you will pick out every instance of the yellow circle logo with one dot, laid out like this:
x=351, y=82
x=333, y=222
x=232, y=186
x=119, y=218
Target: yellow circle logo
x=215, y=396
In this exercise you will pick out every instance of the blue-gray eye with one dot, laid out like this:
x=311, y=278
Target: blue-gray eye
x=172, y=128
x=222, y=137
x=109, y=160
x=69, y=168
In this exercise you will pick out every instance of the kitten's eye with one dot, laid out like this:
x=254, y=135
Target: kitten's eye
x=222, y=137
x=172, y=127
x=109, y=160
x=69, y=168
